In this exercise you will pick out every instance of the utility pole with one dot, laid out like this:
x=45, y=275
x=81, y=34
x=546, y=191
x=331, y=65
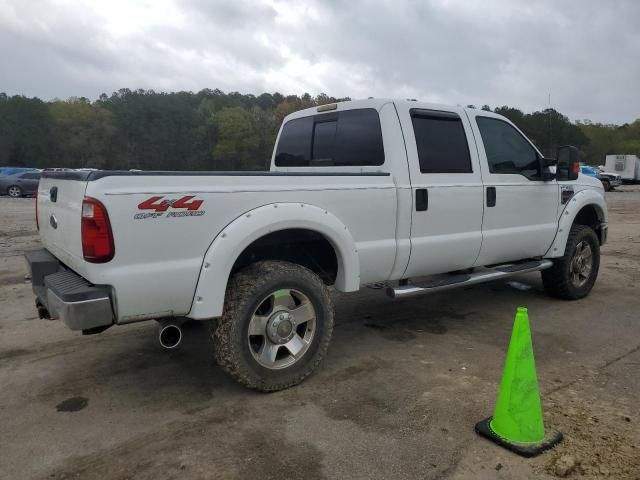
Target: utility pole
x=549, y=149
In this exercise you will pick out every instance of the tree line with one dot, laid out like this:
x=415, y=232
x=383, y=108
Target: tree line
x=214, y=130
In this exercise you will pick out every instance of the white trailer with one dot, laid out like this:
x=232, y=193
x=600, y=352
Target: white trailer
x=628, y=166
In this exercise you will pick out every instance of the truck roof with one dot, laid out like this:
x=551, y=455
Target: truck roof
x=376, y=103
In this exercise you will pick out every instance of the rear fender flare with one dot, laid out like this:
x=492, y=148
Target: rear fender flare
x=208, y=301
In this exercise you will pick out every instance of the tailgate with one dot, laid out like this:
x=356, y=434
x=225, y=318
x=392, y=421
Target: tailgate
x=60, y=196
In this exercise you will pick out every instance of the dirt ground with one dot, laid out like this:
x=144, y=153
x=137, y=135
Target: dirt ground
x=396, y=398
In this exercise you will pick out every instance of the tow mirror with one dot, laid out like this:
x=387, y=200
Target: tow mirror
x=568, y=163
x=549, y=169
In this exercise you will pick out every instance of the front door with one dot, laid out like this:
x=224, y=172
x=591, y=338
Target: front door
x=446, y=219
x=521, y=210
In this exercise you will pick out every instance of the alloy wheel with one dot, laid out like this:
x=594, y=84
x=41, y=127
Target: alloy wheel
x=281, y=329
x=581, y=264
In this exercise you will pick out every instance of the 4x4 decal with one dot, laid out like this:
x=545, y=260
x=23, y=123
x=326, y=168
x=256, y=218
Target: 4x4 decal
x=186, y=206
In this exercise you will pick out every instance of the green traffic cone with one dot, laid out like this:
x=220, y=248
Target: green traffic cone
x=517, y=422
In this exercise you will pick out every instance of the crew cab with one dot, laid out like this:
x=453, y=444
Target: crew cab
x=419, y=196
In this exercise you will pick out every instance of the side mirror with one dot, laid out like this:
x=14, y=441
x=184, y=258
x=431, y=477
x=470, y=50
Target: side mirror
x=549, y=169
x=568, y=163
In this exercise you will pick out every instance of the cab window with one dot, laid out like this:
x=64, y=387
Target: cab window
x=507, y=150
x=441, y=142
x=346, y=138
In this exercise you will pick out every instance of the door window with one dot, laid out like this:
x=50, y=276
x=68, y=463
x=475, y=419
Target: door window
x=441, y=142
x=507, y=150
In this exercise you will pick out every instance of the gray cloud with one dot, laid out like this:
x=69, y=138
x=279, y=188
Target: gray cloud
x=584, y=53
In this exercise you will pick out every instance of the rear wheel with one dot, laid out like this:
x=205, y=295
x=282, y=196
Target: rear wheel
x=276, y=325
x=573, y=275
x=14, y=191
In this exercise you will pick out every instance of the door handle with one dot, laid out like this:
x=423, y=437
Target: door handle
x=491, y=196
x=422, y=199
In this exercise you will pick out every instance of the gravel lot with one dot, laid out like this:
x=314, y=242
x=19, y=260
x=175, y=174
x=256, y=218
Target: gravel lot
x=397, y=397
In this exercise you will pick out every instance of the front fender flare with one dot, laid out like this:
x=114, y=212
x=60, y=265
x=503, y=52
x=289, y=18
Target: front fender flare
x=208, y=301
x=568, y=215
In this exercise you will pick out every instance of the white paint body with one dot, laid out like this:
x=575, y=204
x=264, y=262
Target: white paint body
x=627, y=166
x=180, y=266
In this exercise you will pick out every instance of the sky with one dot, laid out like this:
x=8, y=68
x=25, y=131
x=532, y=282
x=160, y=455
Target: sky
x=580, y=56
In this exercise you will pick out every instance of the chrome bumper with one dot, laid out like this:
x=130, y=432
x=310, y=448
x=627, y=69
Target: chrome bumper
x=66, y=295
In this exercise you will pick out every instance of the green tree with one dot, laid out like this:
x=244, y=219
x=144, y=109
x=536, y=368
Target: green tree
x=238, y=139
x=27, y=137
x=513, y=114
x=84, y=131
x=212, y=129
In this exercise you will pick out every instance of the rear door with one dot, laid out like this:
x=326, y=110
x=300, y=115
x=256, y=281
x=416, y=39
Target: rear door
x=446, y=185
x=521, y=210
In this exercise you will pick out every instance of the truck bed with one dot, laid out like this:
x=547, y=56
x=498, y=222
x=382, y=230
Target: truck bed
x=156, y=244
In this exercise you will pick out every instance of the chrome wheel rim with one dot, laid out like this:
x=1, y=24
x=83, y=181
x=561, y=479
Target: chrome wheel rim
x=281, y=329
x=14, y=192
x=581, y=264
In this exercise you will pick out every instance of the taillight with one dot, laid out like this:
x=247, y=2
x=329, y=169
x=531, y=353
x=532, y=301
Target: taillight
x=37, y=224
x=97, y=238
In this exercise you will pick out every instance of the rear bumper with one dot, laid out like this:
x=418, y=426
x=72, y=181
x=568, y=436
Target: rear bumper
x=68, y=296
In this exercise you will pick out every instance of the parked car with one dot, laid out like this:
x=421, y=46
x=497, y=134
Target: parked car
x=422, y=197
x=14, y=170
x=19, y=184
x=609, y=180
x=590, y=171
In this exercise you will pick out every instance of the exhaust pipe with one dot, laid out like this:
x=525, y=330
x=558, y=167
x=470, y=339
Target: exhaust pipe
x=170, y=335
x=42, y=311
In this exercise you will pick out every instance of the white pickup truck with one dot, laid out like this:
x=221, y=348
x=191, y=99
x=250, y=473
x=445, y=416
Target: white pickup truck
x=422, y=197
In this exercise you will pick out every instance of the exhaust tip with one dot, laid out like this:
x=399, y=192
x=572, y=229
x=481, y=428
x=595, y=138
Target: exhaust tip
x=42, y=311
x=170, y=335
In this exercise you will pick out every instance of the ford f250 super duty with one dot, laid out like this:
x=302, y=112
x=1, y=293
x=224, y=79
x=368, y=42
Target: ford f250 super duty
x=422, y=197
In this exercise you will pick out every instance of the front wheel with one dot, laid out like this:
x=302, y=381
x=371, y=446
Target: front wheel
x=14, y=191
x=573, y=275
x=276, y=325
x=606, y=185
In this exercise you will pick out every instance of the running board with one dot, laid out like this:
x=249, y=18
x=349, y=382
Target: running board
x=456, y=281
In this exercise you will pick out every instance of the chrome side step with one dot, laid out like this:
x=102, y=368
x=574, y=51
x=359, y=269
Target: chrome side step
x=495, y=273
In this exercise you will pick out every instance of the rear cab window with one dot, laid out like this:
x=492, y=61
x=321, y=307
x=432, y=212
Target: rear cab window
x=347, y=138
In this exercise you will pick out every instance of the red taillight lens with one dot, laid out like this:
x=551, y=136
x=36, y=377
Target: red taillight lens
x=97, y=238
x=37, y=223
